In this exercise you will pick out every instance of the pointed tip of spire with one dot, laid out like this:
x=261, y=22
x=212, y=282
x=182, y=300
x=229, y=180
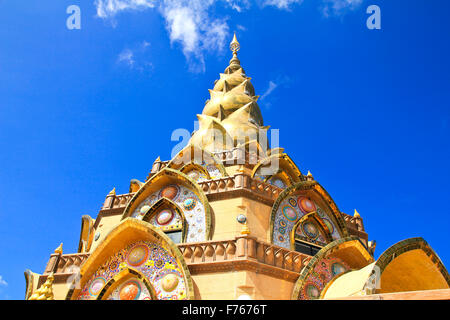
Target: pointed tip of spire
x=234, y=44
x=356, y=214
x=59, y=249
x=112, y=192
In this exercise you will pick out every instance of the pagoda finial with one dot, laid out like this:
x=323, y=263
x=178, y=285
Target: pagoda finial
x=234, y=45
x=235, y=64
x=45, y=291
x=356, y=214
x=112, y=192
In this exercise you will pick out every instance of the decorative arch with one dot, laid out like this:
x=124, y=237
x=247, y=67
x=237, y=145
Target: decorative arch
x=285, y=171
x=122, y=278
x=321, y=231
x=196, y=172
x=197, y=155
x=166, y=216
x=138, y=246
x=295, y=202
x=409, y=265
x=331, y=262
x=182, y=191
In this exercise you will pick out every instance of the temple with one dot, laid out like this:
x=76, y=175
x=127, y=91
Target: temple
x=231, y=218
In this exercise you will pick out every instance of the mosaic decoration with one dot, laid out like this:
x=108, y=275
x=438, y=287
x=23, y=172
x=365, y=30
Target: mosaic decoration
x=154, y=262
x=133, y=289
x=277, y=182
x=213, y=171
x=197, y=175
x=324, y=271
x=193, y=210
x=309, y=231
x=291, y=210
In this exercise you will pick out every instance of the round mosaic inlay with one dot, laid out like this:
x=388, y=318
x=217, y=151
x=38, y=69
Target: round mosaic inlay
x=96, y=286
x=169, y=192
x=337, y=268
x=289, y=213
x=138, y=255
x=169, y=282
x=164, y=216
x=189, y=203
x=130, y=291
x=312, y=291
x=310, y=229
x=241, y=218
x=306, y=205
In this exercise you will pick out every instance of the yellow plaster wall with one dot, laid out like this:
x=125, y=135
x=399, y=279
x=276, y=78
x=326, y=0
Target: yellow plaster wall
x=105, y=225
x=233, y=284
x=226, y=211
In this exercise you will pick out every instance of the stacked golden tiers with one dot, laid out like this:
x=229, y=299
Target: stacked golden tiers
x=231, y=116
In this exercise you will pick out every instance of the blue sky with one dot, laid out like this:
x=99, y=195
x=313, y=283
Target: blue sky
x=83, y=111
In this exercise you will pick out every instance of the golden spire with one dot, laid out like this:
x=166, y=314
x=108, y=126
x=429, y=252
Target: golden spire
x=234, y=45
x=59, y=249
x=45, y=291
x=235, y=64
x=356, y=214
x=112, y=192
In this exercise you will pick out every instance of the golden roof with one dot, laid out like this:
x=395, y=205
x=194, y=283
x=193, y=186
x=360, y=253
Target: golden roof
x=232, y=110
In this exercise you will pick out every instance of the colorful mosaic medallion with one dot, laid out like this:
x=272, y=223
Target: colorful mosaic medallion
x=164, y=217
x=189, y=203
x=170, y=192
x=138, y=255
x=306, y=205
x=152, y=262
x=169, y=219
x=289, y=213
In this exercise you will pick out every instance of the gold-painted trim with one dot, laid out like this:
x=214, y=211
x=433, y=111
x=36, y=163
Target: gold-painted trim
x=120, y=278
x=325, y=252
x=173, y=174
x=314, y=215
x=327, y=200
x=126, y=232
x=286, y=165
x=160, y=203
x=191, y=148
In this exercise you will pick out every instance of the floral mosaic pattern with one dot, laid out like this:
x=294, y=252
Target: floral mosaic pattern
x=158, y=266
x=188, y=201
x=324, y=271
x=291, y=210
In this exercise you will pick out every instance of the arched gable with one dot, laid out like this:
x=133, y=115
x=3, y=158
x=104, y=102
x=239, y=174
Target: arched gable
x=143, y=289
x=331, y=262
x=196, y=155
x=166, y=216
x=196, y=172
x=294, y=203
x=181, y=190
x=409, y=265
x=277, y=167
x=135, y=245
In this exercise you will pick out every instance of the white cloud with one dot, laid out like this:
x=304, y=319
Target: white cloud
x=126, y=56
x=135, y=58
x=272, y=86
x=194, y=24
x=109, y=8
x=281, y=4
x=338, y=7
x=3, y=282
